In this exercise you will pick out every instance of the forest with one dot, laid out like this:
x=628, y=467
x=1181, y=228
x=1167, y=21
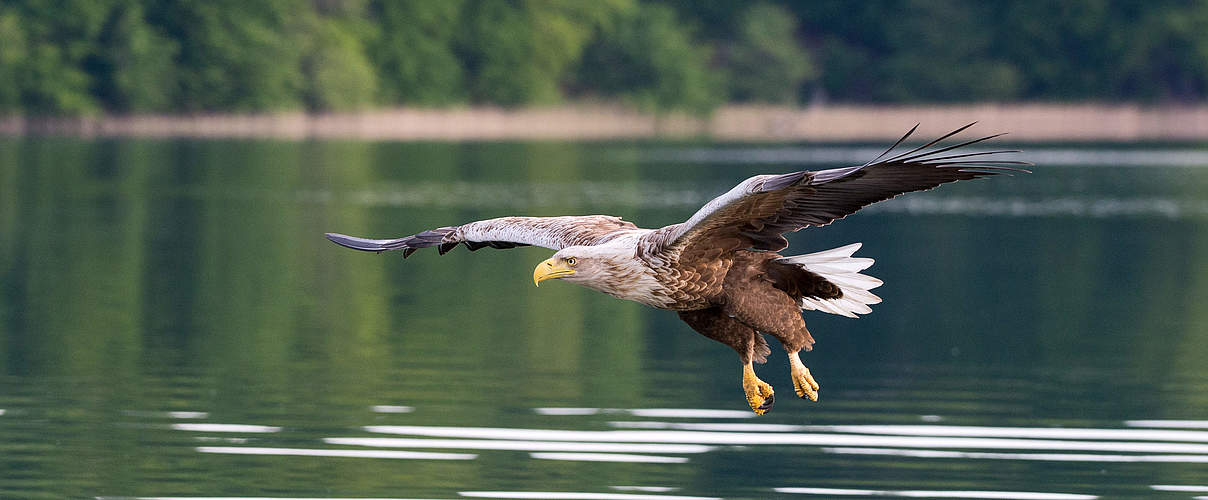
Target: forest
x=83, y=57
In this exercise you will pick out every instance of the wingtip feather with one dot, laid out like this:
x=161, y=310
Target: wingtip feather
x=363, y=244
x=782, y=181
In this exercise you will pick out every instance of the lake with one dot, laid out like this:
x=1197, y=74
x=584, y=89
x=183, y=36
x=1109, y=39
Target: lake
x=174, y=325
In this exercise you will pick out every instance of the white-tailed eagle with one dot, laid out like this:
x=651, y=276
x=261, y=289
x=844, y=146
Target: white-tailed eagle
x=720, y=270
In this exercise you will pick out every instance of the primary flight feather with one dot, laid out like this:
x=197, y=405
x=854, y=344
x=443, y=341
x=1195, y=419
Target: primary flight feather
x=720, y=270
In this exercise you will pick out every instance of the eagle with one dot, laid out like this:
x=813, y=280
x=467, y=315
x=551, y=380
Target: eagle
x=721, y=270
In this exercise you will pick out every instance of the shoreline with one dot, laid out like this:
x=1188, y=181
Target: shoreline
x=1024, y=122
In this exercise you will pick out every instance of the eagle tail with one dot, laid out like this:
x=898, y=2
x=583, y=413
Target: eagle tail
x=839, y=267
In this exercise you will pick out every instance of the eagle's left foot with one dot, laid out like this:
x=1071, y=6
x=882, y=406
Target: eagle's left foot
x=759, y=394
x=803, y=381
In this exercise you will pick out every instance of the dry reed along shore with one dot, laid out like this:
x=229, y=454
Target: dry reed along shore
x=1025, y=122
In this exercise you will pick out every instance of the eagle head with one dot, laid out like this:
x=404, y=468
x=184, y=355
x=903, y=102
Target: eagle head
x=591, y=266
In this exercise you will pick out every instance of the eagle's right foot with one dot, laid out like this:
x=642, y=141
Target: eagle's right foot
x=803, y=381
x=759, y=394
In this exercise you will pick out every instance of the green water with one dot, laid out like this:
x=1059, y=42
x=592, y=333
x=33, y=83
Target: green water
x=173, y=324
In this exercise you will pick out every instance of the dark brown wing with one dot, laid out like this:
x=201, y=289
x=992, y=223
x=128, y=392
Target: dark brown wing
x=505, y=232
x=757, y=212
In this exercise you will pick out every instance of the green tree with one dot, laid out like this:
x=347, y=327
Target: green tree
x=237, y=55
x=12, y=57
x=651, y=59
x=133, y=65
x=1088, y=49
x=51, y=77
x=911, y=50
x=520, y=52
x=80, y=56
x=338, y=74
x=928, y=64
x=1170, y=52
x=414, y=51
x=766, y=64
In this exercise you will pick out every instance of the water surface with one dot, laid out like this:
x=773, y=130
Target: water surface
x=173, y=325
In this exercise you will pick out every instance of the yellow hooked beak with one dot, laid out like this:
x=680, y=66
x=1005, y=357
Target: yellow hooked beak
x=551, y=269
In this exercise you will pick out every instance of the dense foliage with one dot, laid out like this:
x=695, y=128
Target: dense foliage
x=86, y=56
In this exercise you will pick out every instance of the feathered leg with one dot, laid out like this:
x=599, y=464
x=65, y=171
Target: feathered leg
x=765, y=308
x=749, y=345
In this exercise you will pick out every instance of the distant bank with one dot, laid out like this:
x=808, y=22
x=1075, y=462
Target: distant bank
x=1025, y=122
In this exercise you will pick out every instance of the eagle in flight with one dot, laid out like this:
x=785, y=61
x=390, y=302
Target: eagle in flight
x=721, y=270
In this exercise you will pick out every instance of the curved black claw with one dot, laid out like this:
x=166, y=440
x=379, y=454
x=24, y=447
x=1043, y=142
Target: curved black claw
x=767, y=403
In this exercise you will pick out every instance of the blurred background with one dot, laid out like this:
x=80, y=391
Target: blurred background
x=88, y=56
x=174, y=325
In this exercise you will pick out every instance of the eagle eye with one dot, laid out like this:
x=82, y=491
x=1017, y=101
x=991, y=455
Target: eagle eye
x=571, y=261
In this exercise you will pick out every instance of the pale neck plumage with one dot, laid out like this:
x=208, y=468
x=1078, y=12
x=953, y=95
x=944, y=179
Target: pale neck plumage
x=620, y=275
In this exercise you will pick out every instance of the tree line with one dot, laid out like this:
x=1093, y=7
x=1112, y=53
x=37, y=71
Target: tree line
x=124, y=56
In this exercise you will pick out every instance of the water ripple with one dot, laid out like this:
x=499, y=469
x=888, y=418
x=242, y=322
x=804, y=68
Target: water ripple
x=1169, y=424
x=784, y=439
x=566, y=495
x=494, y=444
x=648, y=412
x=609, y=457
x=1048, y=457
x=392, y=409
x=242, y=428
x=1017, y=495
x=1182, y=488
x=944, y=430
x=414, y=455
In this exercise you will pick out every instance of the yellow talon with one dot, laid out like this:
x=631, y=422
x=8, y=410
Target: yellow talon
x=803, y=381
x=759, y=394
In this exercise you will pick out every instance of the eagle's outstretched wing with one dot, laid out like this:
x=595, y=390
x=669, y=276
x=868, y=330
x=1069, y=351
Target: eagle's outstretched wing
x=505, y=232
x=756, y=213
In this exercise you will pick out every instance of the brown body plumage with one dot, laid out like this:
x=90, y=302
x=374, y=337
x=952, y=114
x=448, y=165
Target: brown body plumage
x=758, y=295
x=720, y=269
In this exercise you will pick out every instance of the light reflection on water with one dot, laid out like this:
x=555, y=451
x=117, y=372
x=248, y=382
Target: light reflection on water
x=649, y=412
x=1187, y=488
x=241, y=428
x=306, y=452
x=392, y=409
x=1016, y=495
x=559, y=495
x=499, y=444
x=1169, y=424
x=694, y=438
x=935, y=430
x=610, y=457
x=1043, y=457
x=817, y=438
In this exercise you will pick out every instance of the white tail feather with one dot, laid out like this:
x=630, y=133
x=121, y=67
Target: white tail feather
x=849, y=265
x=827, y=306
x=842, y=252
x=839, y=267
x=861, y=296
x=860, y=308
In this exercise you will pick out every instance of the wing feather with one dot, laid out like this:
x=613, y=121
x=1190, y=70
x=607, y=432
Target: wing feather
x=505, y=232
x=757, y=212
